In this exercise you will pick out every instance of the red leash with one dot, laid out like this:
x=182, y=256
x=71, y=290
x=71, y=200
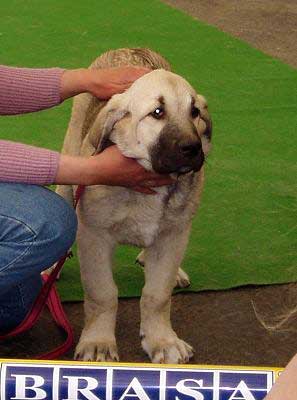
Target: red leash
x=49, y=296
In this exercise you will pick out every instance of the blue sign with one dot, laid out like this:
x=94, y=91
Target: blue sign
x=30, y=381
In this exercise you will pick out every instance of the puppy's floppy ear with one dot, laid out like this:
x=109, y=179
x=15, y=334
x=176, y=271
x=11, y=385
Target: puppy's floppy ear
x=205, y=124
x=100, y=132
x=113, y=116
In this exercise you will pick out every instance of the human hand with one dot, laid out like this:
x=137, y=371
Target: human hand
x=118, y=170
x=109, y=168
x=101, y=83
x=104, y=83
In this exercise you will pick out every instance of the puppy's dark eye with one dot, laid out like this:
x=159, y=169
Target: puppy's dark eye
x=158, y=113
x=195, y=112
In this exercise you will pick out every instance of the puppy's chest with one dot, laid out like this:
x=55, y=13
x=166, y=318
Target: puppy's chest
x=134, y=218
x=129, y=218
x=139, y=224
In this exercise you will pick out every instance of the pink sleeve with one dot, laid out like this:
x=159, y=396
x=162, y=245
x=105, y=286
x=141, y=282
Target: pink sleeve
x=24, y=90
x=21, y=163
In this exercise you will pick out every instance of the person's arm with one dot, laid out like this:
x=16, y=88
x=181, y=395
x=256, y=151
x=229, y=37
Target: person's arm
x=101, y=83
x=285, y=388
x=109, y=168
x=27, y=90
x=21, y=163
x=24, y=90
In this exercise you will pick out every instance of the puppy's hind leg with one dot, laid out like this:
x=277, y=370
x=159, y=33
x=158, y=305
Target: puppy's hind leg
x=66, y=191
x=182, y=278
x=97, y=341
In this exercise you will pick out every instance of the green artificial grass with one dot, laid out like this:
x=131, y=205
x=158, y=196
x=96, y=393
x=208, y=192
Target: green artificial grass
x=245, y=231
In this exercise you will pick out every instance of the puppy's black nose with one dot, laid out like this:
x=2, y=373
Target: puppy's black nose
x=190, y=150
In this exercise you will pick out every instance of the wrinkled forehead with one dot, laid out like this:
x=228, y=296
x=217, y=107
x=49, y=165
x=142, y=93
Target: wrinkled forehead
x=161, y=86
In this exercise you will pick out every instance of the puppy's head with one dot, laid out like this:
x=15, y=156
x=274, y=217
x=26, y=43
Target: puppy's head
x=161, y=121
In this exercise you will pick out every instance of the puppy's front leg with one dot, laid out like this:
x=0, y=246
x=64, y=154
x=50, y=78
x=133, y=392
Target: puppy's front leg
x=97, y=341
x=162, y=260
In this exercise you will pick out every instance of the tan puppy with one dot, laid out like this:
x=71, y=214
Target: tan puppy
x=165, y=125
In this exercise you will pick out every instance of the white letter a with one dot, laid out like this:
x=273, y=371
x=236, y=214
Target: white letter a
x=138, y=389
x=245, y=392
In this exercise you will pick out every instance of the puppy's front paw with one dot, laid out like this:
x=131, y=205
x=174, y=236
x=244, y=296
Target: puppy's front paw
x=168, y=350
x=96, y=351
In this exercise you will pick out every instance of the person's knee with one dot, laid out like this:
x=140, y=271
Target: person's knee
x=57, y=225
x=63, y=227
x=16, y=239
x=45, y=218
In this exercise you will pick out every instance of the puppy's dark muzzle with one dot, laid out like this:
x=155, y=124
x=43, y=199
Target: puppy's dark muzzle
x=176, y=152
x=179, y=157
x=190, y=150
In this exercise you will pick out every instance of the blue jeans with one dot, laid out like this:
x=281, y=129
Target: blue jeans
x=37, y=227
